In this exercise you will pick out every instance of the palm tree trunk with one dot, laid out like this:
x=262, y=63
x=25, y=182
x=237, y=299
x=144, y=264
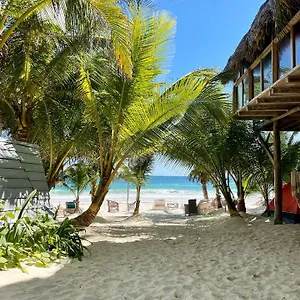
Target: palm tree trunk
x=218, y=198
x=241, y=196
x=87, y=217
x=266, y=198
x=77, y=204
x=22, y=134
x=204, y=189
x=229, y=202
x=93, y=185
x=138, y=200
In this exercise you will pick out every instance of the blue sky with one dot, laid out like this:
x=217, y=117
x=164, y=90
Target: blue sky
x=207, y=34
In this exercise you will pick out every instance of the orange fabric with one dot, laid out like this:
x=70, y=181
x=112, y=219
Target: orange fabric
x=289, y=203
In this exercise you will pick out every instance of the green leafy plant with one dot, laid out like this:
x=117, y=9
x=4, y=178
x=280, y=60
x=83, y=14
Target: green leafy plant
x=36, y=241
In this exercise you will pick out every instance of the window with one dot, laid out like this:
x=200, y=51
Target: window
x=297, y=42
x=285, y=55
x=256, y=80
x=268, y=77
x=240, y=96
x=246, y=90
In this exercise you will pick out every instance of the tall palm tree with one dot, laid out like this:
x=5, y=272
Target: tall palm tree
x=133, y=115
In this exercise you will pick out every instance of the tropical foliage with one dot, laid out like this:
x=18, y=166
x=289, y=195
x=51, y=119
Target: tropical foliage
x=132, y=115
x=36, y=241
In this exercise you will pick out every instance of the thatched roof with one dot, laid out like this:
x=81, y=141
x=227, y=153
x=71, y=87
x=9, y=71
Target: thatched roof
x=269, y=21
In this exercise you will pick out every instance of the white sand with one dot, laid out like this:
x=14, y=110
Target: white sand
x=168, y=256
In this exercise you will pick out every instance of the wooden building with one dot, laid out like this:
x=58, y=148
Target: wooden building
x=265, y=69
x=21, y=172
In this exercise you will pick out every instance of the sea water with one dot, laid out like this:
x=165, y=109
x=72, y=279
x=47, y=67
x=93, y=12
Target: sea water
x=177, y=188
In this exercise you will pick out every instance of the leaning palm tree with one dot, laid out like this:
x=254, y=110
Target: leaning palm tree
x=129, y=115
x=76, y=179
x=201, y=177
x=137, y=172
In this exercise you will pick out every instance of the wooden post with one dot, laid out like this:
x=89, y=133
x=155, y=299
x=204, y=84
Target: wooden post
x=275, y=62
x=235, y=100
x=293, y=47
x=262, y=84
x=251, y=84
x=277, y=175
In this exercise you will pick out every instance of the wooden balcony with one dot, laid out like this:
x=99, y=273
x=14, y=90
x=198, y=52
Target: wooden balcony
x=269, y=90
x=279, y=102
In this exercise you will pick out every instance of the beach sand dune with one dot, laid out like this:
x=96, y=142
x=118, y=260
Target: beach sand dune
x=169, y=256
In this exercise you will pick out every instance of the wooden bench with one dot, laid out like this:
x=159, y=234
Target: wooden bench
x=112, y=206
x=172, y=205
x=159, y=204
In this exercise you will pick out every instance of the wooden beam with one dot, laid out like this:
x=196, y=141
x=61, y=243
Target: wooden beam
x=262, y=87
x=288, y=113
x=275, y=105
x=284, y=95
x=291, y=125
x=276, y=100
x=277, y=175
x=275, y=62
x=241, y=117
x=290, y=89
x=269, y=113
x=293, y=80
x=235, y=100
x=250, y=84
x=293, y=47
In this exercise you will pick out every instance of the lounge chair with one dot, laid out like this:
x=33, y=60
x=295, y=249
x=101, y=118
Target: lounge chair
x=112, y=206
x=159, y=204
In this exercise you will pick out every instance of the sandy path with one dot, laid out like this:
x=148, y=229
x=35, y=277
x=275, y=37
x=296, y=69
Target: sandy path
x=175, y=257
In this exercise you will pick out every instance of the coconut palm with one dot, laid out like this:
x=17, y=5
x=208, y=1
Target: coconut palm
x=262, y=177
x=201, y=142
x=201, y=177
x=72, y=16
x=133, y=115
x=137, y=172
x=76, y=179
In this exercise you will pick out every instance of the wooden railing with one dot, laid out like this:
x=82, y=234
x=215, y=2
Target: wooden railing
x=275, y=61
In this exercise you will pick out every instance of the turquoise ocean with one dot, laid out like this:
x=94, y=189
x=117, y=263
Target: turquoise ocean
x=171, y=183
x=177, y=188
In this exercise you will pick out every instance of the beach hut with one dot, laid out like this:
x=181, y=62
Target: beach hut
x=265, y=70
x=21, y=172
x=290, y=208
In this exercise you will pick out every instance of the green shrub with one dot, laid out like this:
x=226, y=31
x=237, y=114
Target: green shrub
x=36, y=241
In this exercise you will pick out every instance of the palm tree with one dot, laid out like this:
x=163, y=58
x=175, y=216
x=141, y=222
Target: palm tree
x=72, y=16
x=76, y=179
x=137, y=172
x=201, y=142
x=262, y=176
x=202, y=177
x=133, y=115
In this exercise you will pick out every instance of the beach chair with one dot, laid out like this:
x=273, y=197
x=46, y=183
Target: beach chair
x=70, y=208
x=172, y=205
x=112, y=206
x=191, y=208
x=159, y=204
